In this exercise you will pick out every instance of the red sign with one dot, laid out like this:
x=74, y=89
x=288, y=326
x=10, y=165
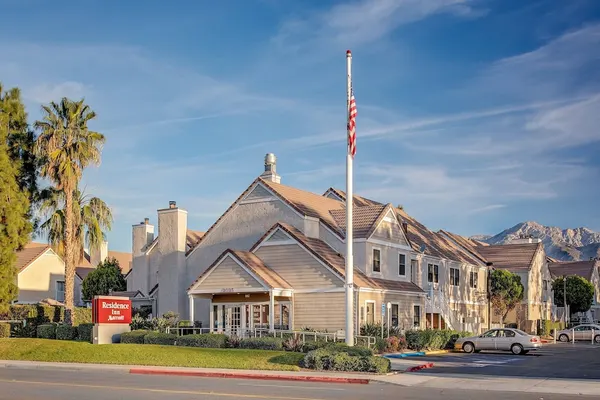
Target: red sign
x=111, y=310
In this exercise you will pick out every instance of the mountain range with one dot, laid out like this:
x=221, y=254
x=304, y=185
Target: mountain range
x=562, y=244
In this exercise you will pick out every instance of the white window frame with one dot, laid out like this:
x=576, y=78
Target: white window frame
x=473, y=279
x=367, y=311
x=413, y=315
x=373, y=260
x=405, y=258
x=433, y=273
x=454, y=280
x=56, y=290
x=390, y=311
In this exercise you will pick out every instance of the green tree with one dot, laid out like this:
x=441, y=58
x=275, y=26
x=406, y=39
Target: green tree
x=66, y=146
x=580, y=293
x=105, y=278
x=506, y=292
x=15, y=228
x=21, y=140
x=91, y=222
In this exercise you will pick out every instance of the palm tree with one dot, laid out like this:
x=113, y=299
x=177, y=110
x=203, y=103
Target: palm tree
x=91, y=221
x=66, y=147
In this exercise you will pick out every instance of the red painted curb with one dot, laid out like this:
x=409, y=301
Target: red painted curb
x=234, y=375
x=419, y=367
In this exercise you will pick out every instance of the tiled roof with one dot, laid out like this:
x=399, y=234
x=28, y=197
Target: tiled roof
x=511, y=256
x=336, y=262
x=466, y=243
x=124, y=260
x=193, y=237
x=434, y=244
x=359, y=201
x=30, y=253
x=309, y=204
x=584, y=269
x=257, y=266
x=364, y=219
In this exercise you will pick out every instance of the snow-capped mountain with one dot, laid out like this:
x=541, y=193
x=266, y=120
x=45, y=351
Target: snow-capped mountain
x=562, y=244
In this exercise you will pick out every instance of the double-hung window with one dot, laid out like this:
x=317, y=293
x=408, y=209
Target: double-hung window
x=402, y=264
x=432, y=273
x=376, y=260
x=416, y=316
x=454, y=276
x=60, y=291
x=473, y=278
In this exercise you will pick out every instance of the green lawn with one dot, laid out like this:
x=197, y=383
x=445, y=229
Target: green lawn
x=139, y=354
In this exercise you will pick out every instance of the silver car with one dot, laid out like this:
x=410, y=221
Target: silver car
x=581, y=332
x=502, y=339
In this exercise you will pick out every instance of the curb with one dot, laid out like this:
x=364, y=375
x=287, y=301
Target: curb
x=404, y=355
x=430, y=353
x=234, y=375
x=419, y=367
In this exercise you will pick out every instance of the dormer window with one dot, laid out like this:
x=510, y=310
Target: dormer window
x=376, y=260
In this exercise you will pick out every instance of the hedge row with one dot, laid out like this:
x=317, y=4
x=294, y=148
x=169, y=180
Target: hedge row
x=35, y=315
x=83, y=332
x=432, y=339
x=336, y=358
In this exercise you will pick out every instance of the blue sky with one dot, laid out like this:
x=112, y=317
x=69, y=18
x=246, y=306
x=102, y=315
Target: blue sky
x=474, y=115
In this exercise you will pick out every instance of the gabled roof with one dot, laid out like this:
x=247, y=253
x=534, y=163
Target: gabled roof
x=465, y=243
x=253, y=263
x=337, y=263
x=584, y=269
x=124, y=260
x=83, y=272
x=359, y=201
x=513, y=257
x=193, y=237
x=31, y=252
x=365, y=219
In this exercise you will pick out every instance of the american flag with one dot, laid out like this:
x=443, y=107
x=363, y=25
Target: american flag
x=352, y=125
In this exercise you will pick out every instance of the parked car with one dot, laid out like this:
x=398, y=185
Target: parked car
x=582, y=332
x=503, y=339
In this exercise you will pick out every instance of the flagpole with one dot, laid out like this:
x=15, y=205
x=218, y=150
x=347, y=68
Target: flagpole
x=349, y=222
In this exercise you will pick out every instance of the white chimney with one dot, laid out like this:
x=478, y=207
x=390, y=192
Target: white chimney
x=270, y=173
x=98, y=256
x=143, y=235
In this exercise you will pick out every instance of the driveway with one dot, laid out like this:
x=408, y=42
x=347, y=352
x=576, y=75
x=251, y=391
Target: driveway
x=564, y=360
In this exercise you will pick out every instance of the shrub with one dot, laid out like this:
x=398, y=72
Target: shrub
x=233, y=342
x=207, y=340
x=165, y=339
x=85, y=332
x=134, y=337
x=4, y=330
x=431, y=339
x=327, y=359
x=46, y=331
x=262, y=343
x=352, y=351
x=83, y=315
x=66, y=332
x=293, y=344
x=184, y=324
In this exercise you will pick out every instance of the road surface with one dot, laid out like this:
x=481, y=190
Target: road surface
x=28, y=384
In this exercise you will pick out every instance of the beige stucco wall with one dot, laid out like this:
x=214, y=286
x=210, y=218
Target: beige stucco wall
x=406, y=303
x=38, y=281
x=320, y=311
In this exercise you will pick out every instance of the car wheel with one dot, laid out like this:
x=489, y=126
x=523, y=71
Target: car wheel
x=516, y=349
x=468, y=347
x=563, y=338
x=597, y=339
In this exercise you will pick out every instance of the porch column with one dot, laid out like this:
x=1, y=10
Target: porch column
x=440, y=321
x=191, y=297
x=212, y=318
x=271, y=312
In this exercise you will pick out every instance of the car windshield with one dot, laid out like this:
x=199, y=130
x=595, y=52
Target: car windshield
x=520, y=332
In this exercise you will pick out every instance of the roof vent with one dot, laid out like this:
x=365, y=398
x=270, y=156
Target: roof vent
x=146, y=221
x=172, y=204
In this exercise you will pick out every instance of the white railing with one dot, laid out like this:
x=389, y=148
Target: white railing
x=440, y=305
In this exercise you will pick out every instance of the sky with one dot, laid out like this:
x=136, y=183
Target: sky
x=474, y=115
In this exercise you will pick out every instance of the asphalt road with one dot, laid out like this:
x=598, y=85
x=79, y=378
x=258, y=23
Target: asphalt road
x=565, y=360
x=20, y=384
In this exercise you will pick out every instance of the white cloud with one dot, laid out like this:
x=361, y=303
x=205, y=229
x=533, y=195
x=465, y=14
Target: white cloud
x=47, y=92
x=360, y=22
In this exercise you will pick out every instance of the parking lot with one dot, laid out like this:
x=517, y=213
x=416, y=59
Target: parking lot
x=561, y=360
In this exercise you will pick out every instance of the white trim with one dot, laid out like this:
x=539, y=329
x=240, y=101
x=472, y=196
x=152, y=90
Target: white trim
x=412, y=313
x=371, y=290
x=384, y=243
x=450, y=282
x=405, y=265
x=336, y=234
x=393, y=303
x=331, y=191
x=276, y=243
x=390, y=210
x=232, y=291
x=380, y=260
x=322, y=290
x=366, y=321
x=259, y=200
x=232, y=256
x=152, y=245
x=265, y=241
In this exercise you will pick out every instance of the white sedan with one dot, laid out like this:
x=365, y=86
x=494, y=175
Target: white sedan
x=502, y=339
